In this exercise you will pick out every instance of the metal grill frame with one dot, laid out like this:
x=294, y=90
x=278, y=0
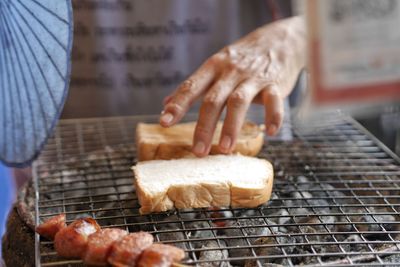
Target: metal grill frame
x=340, y=141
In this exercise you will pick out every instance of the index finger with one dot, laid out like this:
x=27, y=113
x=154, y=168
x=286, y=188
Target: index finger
x=188, y=91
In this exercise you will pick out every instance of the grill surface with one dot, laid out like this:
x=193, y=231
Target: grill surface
x=335, y=198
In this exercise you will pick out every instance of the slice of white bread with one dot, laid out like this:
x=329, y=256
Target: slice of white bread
x=156, y=142
x=213, y=181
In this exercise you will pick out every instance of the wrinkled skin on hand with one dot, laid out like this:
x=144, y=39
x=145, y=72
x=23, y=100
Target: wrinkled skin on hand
x=262, y=67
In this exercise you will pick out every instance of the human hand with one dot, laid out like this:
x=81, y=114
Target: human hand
x=262, y=67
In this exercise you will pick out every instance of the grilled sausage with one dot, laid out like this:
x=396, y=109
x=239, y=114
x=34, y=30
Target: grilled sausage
x=160, y=255
x=99, y=245
x=50, y=227
x=126, y=251
x=71, y=241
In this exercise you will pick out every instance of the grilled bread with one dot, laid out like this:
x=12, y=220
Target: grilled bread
x=156, y=142
x=217, y=180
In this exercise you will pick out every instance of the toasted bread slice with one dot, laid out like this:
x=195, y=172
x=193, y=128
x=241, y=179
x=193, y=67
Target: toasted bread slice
x=156, y=142
x=213, y=181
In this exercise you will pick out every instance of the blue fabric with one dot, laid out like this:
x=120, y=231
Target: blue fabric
x=6, y=197
x=35, y=66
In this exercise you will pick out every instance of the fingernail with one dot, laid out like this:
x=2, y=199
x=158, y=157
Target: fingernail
x=199, y=148
x=272, y=129
x=226, y=143
x=166, y=118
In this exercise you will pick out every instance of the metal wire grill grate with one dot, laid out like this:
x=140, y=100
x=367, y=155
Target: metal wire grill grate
x=335, y=198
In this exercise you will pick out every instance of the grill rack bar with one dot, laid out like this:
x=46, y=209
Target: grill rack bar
x=346, y=169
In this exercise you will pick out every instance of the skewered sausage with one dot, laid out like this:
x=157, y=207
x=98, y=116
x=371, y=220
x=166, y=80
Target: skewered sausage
x=50, y=227
x=99, y=245
x=71, y=241
x=126, y=251
x=160, y=255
